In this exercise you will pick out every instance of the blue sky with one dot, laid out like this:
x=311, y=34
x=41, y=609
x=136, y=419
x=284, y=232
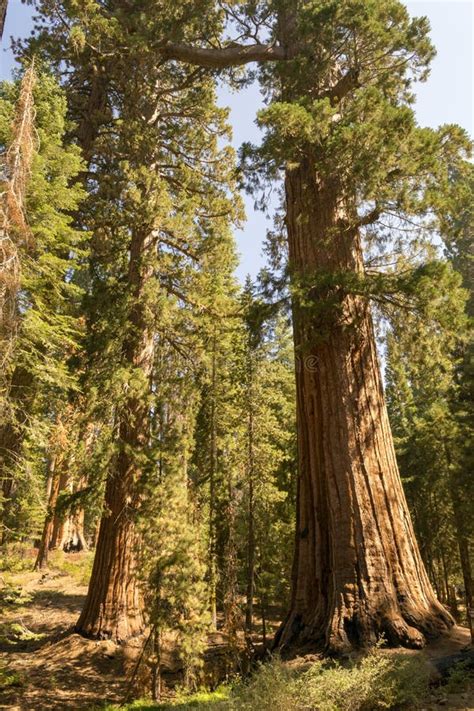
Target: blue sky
x=447, y=97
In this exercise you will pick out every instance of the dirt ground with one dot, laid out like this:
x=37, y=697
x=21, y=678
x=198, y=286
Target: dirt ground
x=52, y=668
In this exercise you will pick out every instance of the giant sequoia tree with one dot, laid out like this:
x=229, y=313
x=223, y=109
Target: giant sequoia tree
x=341, y=125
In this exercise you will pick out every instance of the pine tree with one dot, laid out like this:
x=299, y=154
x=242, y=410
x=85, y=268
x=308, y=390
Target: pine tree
x=421, y=367
x=269, y=460
x=173, y=553
x=458, y=237
x=36, y=378
x=215, y=458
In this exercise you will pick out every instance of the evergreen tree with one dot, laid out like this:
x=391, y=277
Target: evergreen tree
x=269, y=461
x=37, y=377
x=420, y=389
x=173, y=552
x=216, y=456
x=360, y=179
x=428, y=379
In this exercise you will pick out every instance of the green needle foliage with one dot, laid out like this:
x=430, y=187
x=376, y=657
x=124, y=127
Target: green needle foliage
x=38, y=376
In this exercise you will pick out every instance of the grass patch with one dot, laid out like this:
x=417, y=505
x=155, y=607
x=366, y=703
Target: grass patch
x=200, y=700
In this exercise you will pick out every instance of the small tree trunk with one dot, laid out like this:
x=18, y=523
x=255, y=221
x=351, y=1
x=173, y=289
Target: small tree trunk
x=114, y=605
x=467, y=577
x=447, y=586
x=357, y=569
x=42, y=557
x=213, y=494
x=60, y=521
x=156, y=668
x=250, y=593
x=250, y=557
x=231, y=610
x=96, y=534
x=465, y=558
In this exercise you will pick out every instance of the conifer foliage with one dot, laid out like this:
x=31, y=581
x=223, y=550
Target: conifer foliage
x=41, y=328
x=185, y=426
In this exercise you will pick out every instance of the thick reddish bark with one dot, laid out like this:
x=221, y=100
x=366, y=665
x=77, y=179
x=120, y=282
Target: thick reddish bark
x=113, y=607
x=68, y=532
x=357, y=569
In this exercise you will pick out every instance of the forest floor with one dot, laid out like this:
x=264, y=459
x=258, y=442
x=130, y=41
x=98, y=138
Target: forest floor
x=44, y=666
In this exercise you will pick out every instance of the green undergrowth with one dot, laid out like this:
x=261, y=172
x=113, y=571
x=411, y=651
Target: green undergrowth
x=9, y=678
x=14, y=632
x=460, y=678
x=378, y=681
x=18, y=558
x=76, y=565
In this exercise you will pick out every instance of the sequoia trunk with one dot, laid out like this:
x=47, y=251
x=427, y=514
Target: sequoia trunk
x=113, y=607
x=357, y=571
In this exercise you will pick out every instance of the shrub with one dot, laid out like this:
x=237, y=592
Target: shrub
x=17, y=558
x=378, y=681
x=9, y=678
x=271, y=687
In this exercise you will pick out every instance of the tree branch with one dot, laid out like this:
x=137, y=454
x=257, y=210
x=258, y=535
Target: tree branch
x=370, y=217
x=231, y=56
x=347, y=83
